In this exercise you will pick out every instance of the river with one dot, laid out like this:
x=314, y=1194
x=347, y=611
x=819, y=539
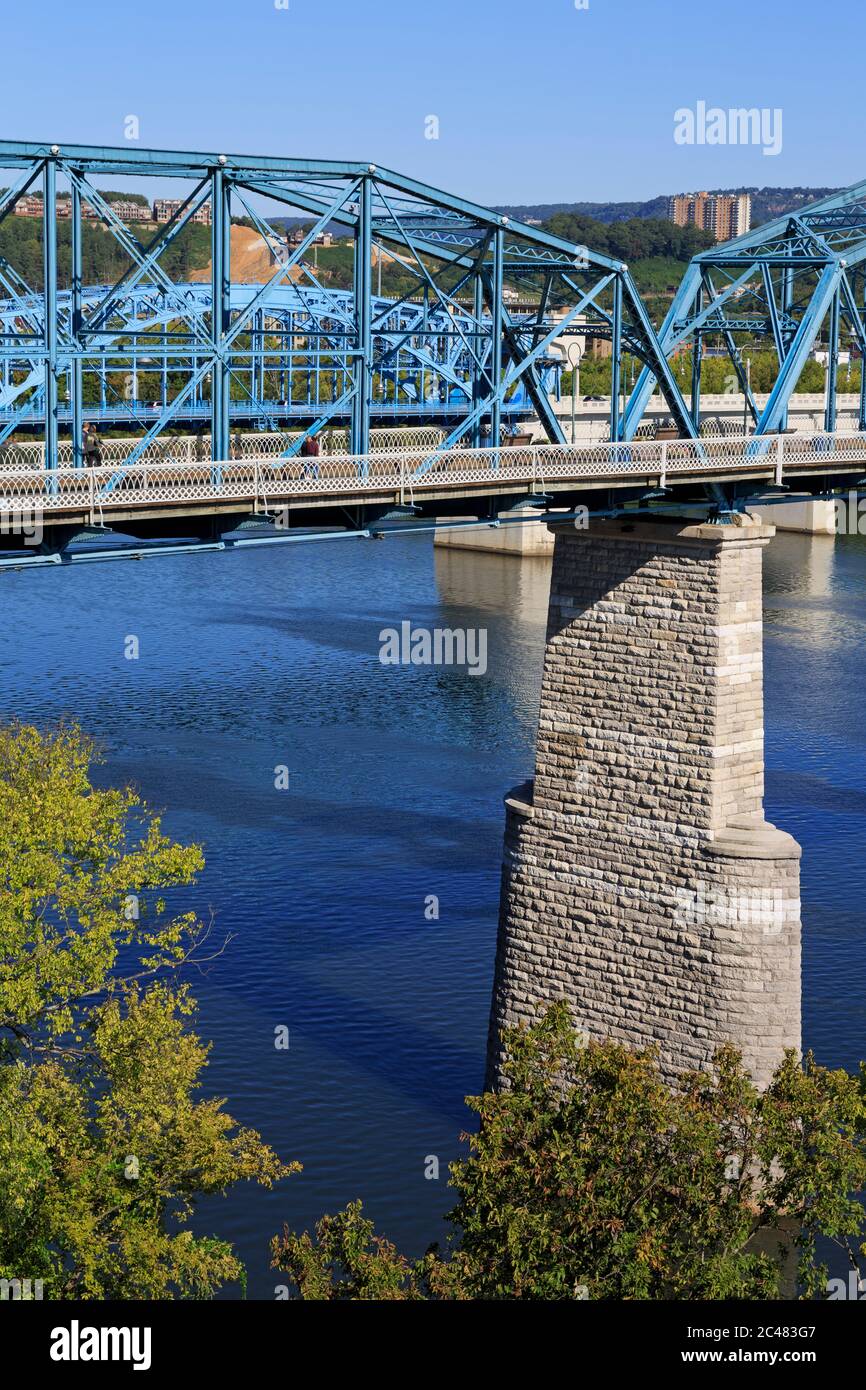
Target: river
x=268, y=659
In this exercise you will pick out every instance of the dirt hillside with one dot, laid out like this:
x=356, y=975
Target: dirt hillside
x=252, y=261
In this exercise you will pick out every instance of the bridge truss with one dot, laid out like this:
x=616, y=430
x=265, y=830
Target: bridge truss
x=277, y=382
x=794, y=282
x=468, y=346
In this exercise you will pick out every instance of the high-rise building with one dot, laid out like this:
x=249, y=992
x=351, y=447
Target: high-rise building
x=726, y=215
x=731, y=216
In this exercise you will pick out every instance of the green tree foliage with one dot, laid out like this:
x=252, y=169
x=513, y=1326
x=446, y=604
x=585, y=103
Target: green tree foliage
x=718, y=376
x=610, y=1185
x=104, y=260
x=637, y=239
x=105, y=1145
x=766, y=203
x=347, y=1261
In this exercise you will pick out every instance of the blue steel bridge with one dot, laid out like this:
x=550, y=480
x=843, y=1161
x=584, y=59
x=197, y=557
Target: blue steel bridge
x=410, y=398
x=295, y=367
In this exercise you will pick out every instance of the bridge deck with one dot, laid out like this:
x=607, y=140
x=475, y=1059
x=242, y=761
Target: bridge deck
x=114, y=491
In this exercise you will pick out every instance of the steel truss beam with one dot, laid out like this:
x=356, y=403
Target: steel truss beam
x=793, y=281
x=468, y=344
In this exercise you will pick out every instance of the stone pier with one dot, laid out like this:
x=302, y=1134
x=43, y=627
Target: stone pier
x=522, y=533
x=811, y=516
x=641, y=882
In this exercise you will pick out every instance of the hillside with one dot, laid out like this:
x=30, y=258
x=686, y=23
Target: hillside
x=252, y=262
x=104, y=260
x=767, y=203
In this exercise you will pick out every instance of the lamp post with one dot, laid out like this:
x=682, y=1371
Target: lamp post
x=574, y=363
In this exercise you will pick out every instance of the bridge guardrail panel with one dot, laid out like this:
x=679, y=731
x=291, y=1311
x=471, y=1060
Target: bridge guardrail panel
x=157, y=480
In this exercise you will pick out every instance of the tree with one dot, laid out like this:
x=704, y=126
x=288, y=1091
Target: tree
x=631, y=240
x=104, y=1144
x=588, y=1177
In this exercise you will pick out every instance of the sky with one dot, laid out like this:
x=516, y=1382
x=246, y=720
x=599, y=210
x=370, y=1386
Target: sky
x=533, y=100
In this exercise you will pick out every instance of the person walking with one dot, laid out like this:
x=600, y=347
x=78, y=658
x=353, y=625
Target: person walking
x=92, y=451
x=310, y=454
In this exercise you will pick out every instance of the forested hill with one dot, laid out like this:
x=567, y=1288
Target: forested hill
x=634, y=240
x=767, y=203
x=656, y=251
x=104, y=260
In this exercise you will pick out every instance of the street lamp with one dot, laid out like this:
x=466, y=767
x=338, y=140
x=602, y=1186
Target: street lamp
x=574, y=363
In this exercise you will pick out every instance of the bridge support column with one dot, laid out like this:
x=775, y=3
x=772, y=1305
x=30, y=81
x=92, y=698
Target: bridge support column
x=641, y=882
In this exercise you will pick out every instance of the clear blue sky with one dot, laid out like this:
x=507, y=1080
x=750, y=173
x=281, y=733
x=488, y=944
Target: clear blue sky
x=537, y=101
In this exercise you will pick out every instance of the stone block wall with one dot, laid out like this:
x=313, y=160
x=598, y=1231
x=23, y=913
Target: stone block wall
x=641, y=882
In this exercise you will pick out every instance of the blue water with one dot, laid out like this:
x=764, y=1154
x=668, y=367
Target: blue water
x=262, y=659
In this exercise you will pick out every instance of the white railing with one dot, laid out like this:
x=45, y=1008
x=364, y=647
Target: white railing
x=247, y=445
x=263, y=481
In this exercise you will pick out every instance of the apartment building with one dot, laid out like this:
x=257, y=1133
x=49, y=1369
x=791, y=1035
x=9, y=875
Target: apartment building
x=127, y=211
x=726, y=215
x=165, y=208
x=132, y=212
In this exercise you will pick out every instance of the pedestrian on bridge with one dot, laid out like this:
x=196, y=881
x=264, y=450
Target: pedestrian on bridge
x=90, y=442
x=310, y=453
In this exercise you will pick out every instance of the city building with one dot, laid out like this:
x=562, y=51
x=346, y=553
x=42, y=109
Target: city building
x=296, y=236
x=28, y=206
x=128, y=211
x=131, y=212
x=726, y=215
x=165, y=208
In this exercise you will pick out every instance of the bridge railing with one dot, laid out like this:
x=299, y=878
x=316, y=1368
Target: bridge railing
x=189, y=448
x=263, y=480
x=416, y=445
